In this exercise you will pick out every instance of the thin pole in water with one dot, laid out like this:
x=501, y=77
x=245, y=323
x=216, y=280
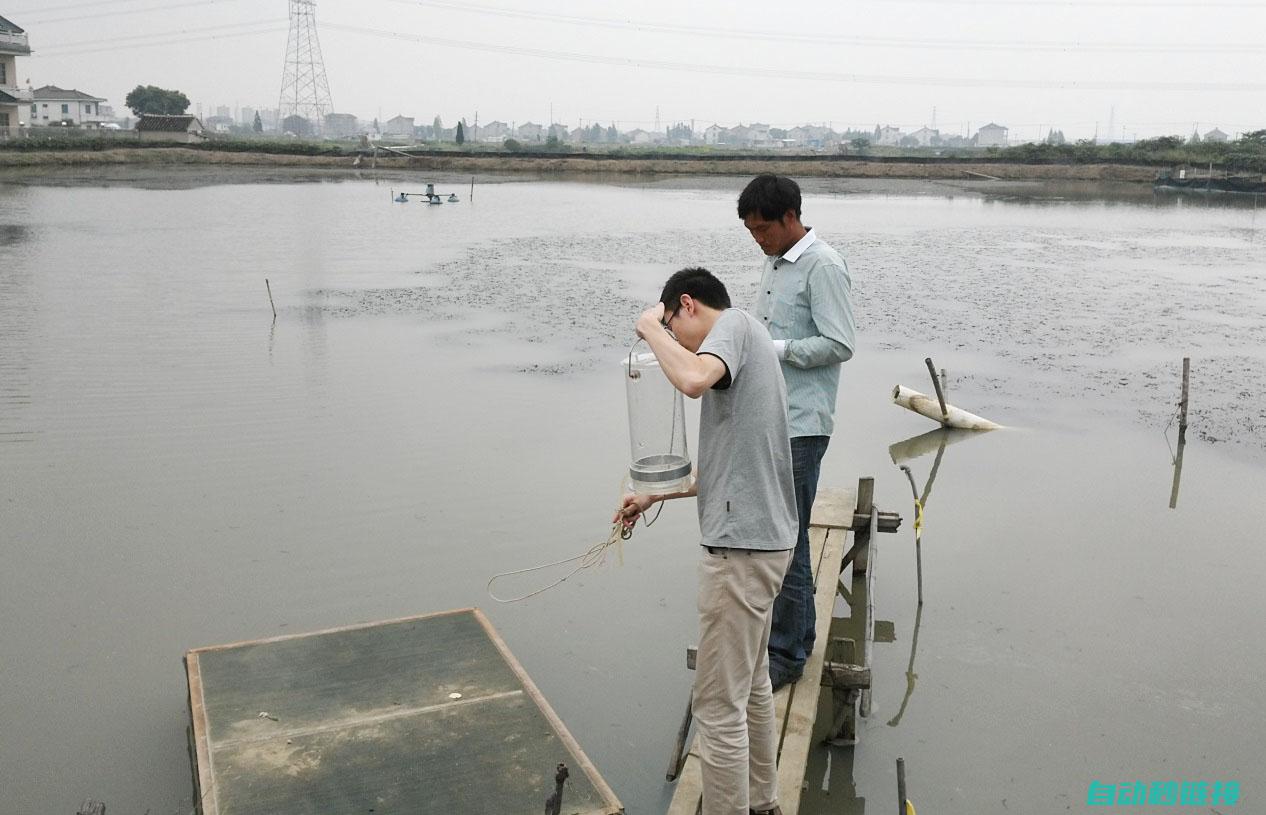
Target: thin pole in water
x=1182, y=406
x=472, y=188
x=270, y=298
x=940, y=395
x=901, y=786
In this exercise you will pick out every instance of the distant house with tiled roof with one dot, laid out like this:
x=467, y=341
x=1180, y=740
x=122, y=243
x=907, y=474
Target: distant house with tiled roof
x=992, y=135
x=1216, y=135
x=13, y=43
x=51, y=105
x=160, y=127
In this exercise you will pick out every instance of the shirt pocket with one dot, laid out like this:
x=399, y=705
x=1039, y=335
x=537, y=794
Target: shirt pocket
x=788, y=313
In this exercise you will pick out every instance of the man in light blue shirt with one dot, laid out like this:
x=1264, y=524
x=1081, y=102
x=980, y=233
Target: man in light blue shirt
x=803, y=301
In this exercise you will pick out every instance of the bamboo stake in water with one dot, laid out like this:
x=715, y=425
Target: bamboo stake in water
x=940, y=395
x=270, y=297
x=472, y=188
x=1182, y=406
x=901, y=786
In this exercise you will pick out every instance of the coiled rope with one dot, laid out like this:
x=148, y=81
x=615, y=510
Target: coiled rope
x=594, y=556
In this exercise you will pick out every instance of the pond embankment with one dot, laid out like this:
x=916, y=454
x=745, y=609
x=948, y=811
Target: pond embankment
x=800, y=166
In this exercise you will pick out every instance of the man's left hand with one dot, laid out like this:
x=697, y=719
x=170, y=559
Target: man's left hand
x=651, y=320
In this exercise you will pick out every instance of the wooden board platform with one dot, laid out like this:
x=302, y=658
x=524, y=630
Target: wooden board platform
x=795, y=706
x=428, y=714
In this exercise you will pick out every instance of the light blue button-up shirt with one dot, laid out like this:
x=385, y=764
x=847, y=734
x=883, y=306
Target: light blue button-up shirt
x=804, y=298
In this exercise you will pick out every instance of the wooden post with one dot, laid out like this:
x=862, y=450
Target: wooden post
x=868, y=624
x=944, y=382
x=861, y=537
x=901, y=786
x=940, y=394
x=91, y=807
x=1182, y=404
x=554, y=804
x=679, y=747
x=270, y=298
x=472, y=188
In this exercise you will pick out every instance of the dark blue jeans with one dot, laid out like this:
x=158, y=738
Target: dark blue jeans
x=791, y=637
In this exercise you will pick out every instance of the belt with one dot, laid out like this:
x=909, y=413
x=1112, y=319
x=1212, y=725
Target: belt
x=723, y=551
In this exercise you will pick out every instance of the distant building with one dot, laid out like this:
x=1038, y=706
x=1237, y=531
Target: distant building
x=887, y=136
x=926, y=137
x=341, y=125
x=398, y=126
x=219, y=124
x=246, y=117
x=182, y=128
x=530, y=131
x=991, y=135
x=494, y=131
x=296, y=126
x=714, y=134
x=51, y=105
x=1216, y=135
x=638, y=136
x=815, y=136
x=13, y=44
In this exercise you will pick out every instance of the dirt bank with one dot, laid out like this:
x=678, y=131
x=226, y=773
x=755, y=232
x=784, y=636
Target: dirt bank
x=825, y=168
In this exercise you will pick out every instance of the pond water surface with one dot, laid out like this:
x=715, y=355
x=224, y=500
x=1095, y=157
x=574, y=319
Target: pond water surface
x=439, y=400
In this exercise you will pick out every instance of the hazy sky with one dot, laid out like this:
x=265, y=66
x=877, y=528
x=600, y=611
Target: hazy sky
x=1150, y=68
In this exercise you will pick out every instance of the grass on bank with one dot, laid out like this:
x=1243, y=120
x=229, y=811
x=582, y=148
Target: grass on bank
x=1246, y=154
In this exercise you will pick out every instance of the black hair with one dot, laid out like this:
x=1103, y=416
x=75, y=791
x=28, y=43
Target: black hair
x=700, y=284
x=771, y=196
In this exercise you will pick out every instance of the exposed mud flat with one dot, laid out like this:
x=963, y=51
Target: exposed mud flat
x=1097, y=317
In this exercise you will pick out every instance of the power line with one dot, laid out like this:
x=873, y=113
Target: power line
x=275, y=29
x=827, y=39
x=124, y=12
x=775, y=73
x=157, y=36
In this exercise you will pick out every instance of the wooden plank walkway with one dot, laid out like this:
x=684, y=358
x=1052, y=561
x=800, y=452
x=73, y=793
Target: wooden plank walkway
x=796, y=705
x=428, y=714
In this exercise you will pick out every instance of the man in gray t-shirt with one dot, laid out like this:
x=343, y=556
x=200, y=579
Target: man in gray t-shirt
x=747, y=520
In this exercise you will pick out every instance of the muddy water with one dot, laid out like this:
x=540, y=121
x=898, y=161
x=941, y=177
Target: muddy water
x=438, y=400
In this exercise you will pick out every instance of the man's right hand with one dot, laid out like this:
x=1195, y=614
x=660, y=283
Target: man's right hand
x=632, y=508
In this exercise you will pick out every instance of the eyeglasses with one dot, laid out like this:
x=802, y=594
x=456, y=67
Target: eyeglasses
x=668, y=324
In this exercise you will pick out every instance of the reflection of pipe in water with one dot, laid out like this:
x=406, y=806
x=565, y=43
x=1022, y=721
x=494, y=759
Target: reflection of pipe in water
x=928, y=442
x=927, y=406
x=911, y=676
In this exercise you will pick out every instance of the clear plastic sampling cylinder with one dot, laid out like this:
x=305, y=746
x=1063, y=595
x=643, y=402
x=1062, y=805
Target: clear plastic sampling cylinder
x=659, y=461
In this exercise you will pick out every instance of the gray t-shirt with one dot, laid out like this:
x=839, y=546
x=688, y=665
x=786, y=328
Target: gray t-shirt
x=746, y=496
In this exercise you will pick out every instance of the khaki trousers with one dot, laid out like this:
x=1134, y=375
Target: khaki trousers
x=733, y=699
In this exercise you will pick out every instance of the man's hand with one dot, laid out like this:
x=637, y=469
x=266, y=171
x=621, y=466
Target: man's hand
x=632, y=508
x=651, y=320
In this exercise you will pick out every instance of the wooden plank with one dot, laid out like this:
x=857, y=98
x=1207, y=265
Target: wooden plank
x=427, y=714
x=798, y=736
x=833, y=506
x=832, y=514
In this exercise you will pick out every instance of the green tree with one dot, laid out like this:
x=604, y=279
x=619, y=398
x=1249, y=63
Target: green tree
x=152, y=99
x=461, y=134
x=1255, y=138
x=513, y=145
x=258, y=124
x=552, y=142
x=860, y=144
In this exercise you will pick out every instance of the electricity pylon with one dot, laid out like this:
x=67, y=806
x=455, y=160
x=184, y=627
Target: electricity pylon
x=304, y=89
